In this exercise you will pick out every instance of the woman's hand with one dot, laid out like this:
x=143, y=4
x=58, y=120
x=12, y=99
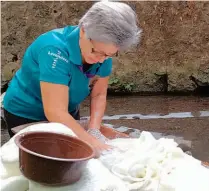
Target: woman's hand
x=98, y=146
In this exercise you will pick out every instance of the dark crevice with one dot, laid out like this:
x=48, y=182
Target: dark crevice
x=202, y=88
x=4, y=87
x=197, y=82
x=164, y=80
x=14, y=58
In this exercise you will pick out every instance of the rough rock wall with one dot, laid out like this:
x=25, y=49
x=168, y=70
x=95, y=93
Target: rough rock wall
x=173, y=54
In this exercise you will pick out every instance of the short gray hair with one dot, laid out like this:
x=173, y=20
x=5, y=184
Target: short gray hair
x=111, y=22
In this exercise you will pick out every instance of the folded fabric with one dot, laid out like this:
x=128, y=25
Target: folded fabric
x=15, y=183
x=9, y=169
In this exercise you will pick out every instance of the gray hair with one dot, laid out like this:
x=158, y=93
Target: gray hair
x=111, y=22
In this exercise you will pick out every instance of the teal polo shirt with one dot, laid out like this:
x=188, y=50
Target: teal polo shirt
x=53, y=57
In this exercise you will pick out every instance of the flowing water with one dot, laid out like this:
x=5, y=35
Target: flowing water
x=184, y=118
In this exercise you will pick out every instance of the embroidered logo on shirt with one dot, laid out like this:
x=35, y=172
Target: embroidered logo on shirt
x=57, y=56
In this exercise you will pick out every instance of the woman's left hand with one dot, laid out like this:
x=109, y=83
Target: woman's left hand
x=111, y=133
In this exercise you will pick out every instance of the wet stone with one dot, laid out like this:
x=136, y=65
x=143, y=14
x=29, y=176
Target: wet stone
x=123, y=117
x=136, y=117
x=189, y=153
x=121, y=129
x=135, y=134
x=185, y=147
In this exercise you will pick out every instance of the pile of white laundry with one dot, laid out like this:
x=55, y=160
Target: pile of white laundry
x=142, y=163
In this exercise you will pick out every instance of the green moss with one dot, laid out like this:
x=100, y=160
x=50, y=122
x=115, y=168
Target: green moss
x=119, y=85
x=113, y=81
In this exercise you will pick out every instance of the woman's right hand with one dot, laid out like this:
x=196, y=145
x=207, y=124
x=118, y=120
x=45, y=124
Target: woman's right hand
x=97, y=145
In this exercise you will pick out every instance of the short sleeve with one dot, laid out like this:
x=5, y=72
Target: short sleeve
x=54, y=66
x=106, y=68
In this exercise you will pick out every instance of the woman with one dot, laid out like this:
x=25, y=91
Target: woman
x=63, y=66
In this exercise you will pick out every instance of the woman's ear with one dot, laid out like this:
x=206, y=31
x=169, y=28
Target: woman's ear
x=82, y=33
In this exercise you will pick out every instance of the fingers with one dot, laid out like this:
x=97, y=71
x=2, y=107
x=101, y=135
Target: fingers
x=121, y=135
x=102, y=148
x=111, y=133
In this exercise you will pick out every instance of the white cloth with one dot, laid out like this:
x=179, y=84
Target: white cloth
x=146, y=163
x=142, y=163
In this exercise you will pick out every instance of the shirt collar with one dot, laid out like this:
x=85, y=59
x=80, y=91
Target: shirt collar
x=73, y=45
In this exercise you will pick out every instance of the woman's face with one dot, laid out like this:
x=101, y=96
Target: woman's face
x=94, y=51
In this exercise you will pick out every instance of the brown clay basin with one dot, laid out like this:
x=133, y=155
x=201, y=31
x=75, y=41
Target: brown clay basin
x=52, y=159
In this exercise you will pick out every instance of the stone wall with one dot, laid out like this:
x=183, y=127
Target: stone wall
x=173, y=55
